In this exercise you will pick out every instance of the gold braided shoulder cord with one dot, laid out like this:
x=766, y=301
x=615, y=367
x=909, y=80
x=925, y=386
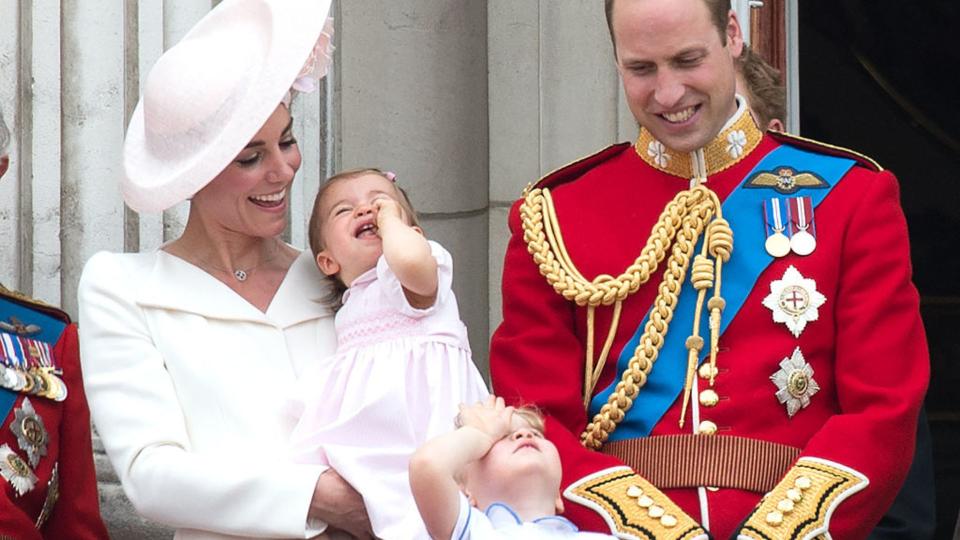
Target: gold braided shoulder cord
x=680, y=225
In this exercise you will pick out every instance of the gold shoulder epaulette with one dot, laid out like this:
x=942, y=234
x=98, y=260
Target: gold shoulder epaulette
x=575, y=169
x=632, y=507
x=33, y=303
x=824, y=148
x=800, y=506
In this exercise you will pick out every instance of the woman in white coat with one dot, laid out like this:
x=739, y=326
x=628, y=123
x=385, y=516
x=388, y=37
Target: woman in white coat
x=189, y=351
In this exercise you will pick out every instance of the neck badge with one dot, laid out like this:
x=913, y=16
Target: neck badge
x=30, y=431
x=15, y=471
x=794, y=300
x=794, y=381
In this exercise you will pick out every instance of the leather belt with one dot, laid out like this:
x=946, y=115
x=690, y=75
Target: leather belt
x=685, y=461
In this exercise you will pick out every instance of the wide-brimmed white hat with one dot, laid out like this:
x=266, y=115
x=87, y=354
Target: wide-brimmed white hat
x=209, y=94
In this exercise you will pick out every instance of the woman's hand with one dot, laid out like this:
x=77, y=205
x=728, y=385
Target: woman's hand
x=339, y=505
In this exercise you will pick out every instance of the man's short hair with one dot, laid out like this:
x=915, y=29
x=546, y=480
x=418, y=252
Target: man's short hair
x=719, y=11
x=4, y=137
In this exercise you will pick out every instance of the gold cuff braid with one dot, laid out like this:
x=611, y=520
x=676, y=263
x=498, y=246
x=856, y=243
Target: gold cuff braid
x=800, y=506
x=634, y=507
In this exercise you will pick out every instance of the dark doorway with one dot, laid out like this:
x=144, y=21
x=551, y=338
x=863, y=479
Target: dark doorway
x=878, y=77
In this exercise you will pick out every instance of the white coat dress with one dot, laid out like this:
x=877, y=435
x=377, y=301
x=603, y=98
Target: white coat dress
x=186, y=383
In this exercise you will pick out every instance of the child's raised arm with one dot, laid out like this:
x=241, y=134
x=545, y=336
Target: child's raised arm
x=408, y=254
x=436, y=466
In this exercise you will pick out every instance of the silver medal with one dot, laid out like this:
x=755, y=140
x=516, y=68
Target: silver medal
x=803, y=243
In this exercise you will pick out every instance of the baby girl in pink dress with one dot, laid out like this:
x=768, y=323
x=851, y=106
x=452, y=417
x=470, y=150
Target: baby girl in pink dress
x=402, y=365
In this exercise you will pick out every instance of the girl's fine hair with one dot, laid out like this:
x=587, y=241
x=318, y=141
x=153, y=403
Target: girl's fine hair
x=338, y=287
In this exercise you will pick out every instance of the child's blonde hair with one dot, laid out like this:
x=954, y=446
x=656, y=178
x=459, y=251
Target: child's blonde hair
x=334, y=299
x=531, y=415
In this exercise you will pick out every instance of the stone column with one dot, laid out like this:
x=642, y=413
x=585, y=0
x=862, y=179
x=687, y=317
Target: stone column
x=554, y=97
x=413, y=99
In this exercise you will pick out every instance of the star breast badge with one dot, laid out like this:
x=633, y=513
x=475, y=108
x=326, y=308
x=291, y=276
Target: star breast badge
x=15, y=471
x=794, y=301
x=794, y=381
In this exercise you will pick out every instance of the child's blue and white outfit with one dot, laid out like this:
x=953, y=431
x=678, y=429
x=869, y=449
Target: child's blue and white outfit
x=500, y=522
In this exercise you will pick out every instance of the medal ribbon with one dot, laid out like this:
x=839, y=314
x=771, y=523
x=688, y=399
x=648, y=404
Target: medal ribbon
x=773, y=218
x=802, y=210
x=51, y=329
x=740, y=275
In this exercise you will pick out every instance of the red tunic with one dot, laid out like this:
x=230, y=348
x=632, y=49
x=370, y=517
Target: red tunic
x=75, y=513
x=867, y=349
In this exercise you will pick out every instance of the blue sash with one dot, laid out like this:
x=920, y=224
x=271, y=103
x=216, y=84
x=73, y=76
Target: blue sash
x=51, y=329
x=743, y=208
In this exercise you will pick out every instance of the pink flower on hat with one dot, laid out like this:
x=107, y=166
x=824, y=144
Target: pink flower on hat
x=317, y=65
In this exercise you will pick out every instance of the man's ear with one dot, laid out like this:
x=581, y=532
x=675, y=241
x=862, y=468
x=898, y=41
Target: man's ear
x=734, y=34
x=418, y=229
x=776, y=125
x=4, y=165
x=327, y=264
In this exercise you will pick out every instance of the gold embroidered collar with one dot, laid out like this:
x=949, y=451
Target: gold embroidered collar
x=736, y=140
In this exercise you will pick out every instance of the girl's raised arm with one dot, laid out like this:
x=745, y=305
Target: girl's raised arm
x=408, y=254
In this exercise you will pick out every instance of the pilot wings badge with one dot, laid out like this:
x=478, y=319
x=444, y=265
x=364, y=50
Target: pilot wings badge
x=785, y=180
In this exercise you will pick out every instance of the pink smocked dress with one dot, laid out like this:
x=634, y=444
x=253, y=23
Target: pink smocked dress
x=396, y=381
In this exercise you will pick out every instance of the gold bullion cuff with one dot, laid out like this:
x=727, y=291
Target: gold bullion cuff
x=800, y=506
x=633, y=508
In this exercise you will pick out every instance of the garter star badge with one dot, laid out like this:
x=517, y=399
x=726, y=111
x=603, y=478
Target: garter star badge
x=15, y=471
x=30, y=431
x=794, y=381
x=794, y=300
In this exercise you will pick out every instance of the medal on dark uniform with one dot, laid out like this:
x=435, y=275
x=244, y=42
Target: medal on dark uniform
x=16, y=362
x=803, y=240
x=8, y=377
x=26, y=365
x=15, y=471
x=30, y=431
x=58, y=389
x=8, y=366
x=53, y=493
x=775, y=223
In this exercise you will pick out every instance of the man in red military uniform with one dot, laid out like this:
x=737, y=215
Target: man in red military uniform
x=719, y=323
x=48, y=485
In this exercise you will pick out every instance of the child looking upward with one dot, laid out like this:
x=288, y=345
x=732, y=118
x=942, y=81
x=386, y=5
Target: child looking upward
x=402, y=364
x=494, y=477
